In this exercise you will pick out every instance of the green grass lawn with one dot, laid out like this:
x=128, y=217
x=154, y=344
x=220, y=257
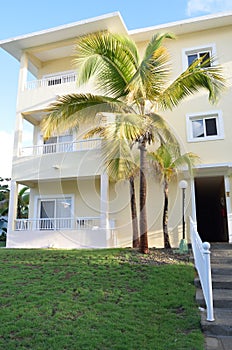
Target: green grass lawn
x=97, y=300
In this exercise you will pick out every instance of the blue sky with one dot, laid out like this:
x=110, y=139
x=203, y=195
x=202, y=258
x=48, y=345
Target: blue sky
x=25, y=16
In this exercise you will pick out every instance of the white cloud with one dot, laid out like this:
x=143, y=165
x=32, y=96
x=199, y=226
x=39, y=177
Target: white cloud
x=6, y=147
x=195, y=7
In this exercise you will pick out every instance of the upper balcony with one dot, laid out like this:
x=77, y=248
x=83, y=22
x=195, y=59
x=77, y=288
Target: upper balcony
x=58, y=160
x=51, y=80
x=38, y=94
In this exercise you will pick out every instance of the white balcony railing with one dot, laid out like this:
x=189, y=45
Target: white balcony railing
x=81, y=145
x=201, y=253
x=52, y=80
x=79, y=223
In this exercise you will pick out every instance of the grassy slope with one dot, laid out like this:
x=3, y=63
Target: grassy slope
x=111, y=299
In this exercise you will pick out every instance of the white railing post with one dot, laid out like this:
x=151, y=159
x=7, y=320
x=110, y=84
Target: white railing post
x=208, y=284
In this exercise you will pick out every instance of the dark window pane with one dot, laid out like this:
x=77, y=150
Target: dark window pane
x=192, y=58
x=211, y=126
x=206, y=58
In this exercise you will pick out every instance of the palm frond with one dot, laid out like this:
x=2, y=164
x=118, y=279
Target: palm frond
x=196, y=77
x=167, y=160
x=154, y=69
x=161, y=130
x=111, y=59
x=70, y=110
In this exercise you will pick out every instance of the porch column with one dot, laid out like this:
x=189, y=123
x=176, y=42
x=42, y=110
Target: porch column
x=228, y=207
x=18, y=135
x=104, y=201
x=12, y=212
x=193, y=199
x=23, y=72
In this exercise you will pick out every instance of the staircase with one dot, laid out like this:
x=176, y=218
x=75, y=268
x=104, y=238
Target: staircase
x=218, y=334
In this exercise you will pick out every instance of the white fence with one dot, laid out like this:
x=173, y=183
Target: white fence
x=201, y=253
x=81, y=145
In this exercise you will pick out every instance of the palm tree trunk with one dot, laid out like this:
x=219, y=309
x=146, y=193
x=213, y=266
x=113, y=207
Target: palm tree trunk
x=143, y=195
x=134, y=213
x=167, y=244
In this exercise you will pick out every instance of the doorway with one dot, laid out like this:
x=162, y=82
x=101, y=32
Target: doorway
x=211, y=208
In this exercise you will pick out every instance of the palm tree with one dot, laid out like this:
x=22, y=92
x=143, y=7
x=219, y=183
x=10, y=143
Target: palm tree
x=4, y=196
x=133, y=88
x=120, y=164
x=167, y=160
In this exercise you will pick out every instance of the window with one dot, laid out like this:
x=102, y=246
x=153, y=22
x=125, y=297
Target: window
x=192, y=54
x=205, y=126
x=195, y=56
x=55, y=213
x=61, y=143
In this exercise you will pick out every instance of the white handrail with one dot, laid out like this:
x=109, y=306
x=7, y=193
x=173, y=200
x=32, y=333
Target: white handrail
x=201, y=253
x=52, y=80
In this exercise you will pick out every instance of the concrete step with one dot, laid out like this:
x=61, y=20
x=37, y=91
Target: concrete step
x=222, y=298
x=222, y=326
x=221, y=260
x=221, y=246
x=218, y=281
x=218, y=343
x=221, y=269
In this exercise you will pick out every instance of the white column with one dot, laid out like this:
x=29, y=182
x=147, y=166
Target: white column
x=12, y=212
x=23, y=72
x=19, y=118
x=228, y=206
x=18, y=135
x=193, y=199
x=104, y=201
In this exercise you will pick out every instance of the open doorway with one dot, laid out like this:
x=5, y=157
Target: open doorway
x=211, y=208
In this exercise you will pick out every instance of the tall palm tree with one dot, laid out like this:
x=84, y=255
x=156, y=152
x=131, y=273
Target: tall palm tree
x=167, y=160
x=132, y=87
x=120, y=164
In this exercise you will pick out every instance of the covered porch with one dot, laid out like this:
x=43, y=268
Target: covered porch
x=70, y=213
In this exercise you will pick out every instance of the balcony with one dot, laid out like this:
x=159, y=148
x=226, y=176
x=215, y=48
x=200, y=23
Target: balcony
x=62, y=233
x=79, y=223
x=51, y=80
x=63, y=147
x=38, y=94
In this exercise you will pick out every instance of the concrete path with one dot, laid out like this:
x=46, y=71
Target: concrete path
x=218, y=334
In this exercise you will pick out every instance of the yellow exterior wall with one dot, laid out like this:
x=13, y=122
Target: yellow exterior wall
x=56, y=66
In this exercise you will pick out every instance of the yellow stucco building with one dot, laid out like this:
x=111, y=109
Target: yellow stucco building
x=72, y=202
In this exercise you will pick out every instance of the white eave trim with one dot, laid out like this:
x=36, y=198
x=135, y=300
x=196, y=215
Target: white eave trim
x=196, y=24
x=112, y=22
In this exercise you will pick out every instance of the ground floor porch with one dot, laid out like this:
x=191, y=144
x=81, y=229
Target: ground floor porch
x=92, y=212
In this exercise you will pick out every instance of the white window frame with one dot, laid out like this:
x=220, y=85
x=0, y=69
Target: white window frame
x=58, y=146
x=38, y=199
x=205, y=115
x=195, y=50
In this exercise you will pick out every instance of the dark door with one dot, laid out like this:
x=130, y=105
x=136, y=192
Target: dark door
x=211, y=209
